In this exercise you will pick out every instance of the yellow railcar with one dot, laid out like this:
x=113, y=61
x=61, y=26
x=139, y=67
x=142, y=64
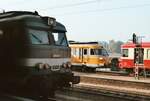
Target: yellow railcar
x=88, y=55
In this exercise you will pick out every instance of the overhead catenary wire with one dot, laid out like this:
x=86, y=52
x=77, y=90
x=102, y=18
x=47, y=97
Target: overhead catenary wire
x=85, y=3
x=61, y=6
x=71, y=5
x=107, y=9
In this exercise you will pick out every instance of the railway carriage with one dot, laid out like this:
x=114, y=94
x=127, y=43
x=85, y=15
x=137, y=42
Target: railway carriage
x=89, y=55
x=129, y=50
x=34, y=53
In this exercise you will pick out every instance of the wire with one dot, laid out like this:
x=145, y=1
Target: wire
x=108, y=9
x=70, y=5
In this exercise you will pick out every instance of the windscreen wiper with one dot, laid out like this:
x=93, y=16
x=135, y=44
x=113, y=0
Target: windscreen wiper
x=36, y=38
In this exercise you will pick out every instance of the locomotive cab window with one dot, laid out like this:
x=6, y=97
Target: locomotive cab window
x=104, y=52
x=38, y=32
x=38, y=37
x=94, y=52
x=125, y=52
x=60, y=39
x=98, y=52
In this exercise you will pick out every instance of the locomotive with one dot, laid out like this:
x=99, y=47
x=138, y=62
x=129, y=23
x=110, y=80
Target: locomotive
x=34, y=54
x=89, y=55
x=129, y=50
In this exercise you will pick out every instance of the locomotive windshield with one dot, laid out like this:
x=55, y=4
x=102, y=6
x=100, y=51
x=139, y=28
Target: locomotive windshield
x=38, y=31
x=60, y=38
x=38, y=37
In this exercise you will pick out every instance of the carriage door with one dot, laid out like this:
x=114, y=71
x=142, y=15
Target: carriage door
x=85, y=55
x=80, y=55
x=138, y=55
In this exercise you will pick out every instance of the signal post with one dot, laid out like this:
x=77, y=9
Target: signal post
x=138, y=57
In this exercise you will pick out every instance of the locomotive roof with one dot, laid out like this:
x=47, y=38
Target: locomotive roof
x=12, y=14
x=132, y=45
x=16, y=13
x=86, y=44
x=59, y=27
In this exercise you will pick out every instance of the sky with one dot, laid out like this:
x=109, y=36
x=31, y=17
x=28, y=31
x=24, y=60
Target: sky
x=92, y=20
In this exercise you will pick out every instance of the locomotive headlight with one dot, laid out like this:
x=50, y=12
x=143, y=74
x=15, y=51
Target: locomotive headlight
x=41, y=66
x=69, y=64
x=100, y=58
x=46, y=66
x=51, y=21
x=64, y=65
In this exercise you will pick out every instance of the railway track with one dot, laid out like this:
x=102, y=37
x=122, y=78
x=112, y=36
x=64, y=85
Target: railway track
x=82, y=93
x=114, y=73
x=105, y=71
x=121, y=84
x=16, y=97
x=117, y=80
x=6, y=97
x=99, y=87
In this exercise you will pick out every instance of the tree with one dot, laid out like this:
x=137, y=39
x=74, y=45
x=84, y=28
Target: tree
x=115, y=47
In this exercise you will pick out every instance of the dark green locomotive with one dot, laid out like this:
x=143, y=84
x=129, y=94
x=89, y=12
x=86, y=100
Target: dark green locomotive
x=34, y=54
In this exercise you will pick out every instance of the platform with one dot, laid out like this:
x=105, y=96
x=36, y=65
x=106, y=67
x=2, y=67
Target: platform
x=124, y=84
x=124, y=78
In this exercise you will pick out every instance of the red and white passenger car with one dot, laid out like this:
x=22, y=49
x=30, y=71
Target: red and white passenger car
x=127, y=60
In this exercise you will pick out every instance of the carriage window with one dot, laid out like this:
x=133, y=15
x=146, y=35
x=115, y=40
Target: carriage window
x=77, y=51
x=104, y=52
x=125, y=52
x=73, y=51
x=85, y=51
x=98, y=52
x=94, y=52
x=148, y=54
